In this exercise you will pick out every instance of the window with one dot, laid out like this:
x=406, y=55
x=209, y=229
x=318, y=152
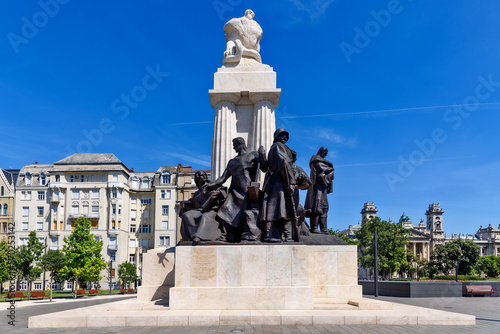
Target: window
x=145, y=214
x=162, y=194
x=2, y=192
x=23, y=241
x=26, y=195
x=164, y=210
x=133, y=199
x=5, y=209
x=145, y=182
x=97, y=238
x=25, y=226
x=92, y=178
x=69, y=285
x=119, y=194
x=164, y=241
x=71, y=178
x=27, y=179
x=95, y=194
x=131, y=243
x=54, y=243
x=58, y=178
x=114, y=209
x=82, y=179
x=164, y=225
x=131, y=258
x=114, y=193
x=41, y=195
x=38, y=286
x=145, y=243
x=74, y=209
x=40, y=211
x=165, y=178
x=135, y=182
x=115, y=177
x=146, y=200
x=119, y=209
x=169, y=194
x=42, y=179
x=95, y=211
x=132, y=228
x=112, y=243
x=112, y=257
x=39, y=226
x=75, y=194
x=145, y=228
x=26, y=211
x=133, y=214
x=41, y=240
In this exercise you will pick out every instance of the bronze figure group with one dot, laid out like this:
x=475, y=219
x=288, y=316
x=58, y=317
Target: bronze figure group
x=243, y=213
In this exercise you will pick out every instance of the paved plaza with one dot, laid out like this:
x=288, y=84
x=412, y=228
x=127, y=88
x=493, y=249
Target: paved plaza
x=485, y=309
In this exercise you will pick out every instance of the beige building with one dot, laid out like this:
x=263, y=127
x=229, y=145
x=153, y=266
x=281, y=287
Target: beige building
x=126, y=208
x=8, y=178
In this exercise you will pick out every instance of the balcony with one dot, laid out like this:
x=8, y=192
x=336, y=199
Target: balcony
x=55, y=184
x=112, y=233
x=54, y=247
x=54, y=233
x=113, y=247
x=54, y=199
x=115, y=184
x=92, y=216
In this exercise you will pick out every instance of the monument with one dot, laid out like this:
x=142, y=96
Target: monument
x=244, y=94
x=269, y=283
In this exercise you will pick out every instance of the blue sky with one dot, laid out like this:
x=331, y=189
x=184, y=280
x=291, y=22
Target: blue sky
x=405, y=94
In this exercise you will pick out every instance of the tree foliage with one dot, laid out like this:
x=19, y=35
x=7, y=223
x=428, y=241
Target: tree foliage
x=490, y=265
x=52, y=261
x=4, y=262
x=127, y=272
x=443, y=257
x=28, y=257
x=391, y=242
x=83, y=253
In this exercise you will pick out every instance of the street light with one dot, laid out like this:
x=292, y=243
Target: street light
x=456, y=270
x=110, y=275
x=375, y=251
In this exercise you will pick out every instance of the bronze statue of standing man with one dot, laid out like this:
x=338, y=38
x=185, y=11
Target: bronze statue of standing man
x=316, y=206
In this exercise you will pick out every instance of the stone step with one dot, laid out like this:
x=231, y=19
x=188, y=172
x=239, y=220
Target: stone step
x=370, y=304
x=334, y=306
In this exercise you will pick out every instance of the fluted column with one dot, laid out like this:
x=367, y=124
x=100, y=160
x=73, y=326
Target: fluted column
x=264, y=125
x=224, y=132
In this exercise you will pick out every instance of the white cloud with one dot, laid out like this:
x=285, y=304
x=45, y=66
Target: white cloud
x=335, y=138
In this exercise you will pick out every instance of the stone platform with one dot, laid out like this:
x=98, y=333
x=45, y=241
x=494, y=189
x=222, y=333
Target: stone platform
x=331, y=312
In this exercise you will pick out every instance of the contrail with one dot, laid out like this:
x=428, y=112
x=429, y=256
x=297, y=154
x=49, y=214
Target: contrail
x=361, y=112
x=394, y=162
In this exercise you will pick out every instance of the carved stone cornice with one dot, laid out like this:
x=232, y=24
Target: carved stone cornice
x=218, y=96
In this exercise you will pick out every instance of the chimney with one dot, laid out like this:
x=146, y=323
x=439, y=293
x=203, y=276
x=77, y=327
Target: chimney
x=36, y=162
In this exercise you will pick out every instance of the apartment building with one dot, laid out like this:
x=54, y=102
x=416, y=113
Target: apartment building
x=126, y=208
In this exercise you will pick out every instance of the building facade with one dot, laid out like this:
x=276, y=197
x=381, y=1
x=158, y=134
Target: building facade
x=130, y=212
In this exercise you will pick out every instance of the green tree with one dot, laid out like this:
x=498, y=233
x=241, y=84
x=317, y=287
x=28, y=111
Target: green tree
x=127, y=272
x=27, y=259
x=83, y=254
x=443, y=257
x=391, y=242
x=490, y=265
x=52, y=261
x=4, y=262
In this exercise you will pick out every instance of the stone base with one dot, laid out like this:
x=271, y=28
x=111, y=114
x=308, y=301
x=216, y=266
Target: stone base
x=262, y=277
x=135, y=314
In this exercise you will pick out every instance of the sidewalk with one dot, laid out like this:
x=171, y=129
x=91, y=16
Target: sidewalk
x=485, y=309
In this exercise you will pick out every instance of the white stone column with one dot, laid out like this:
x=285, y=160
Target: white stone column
x=224, y=132
x=263, y=125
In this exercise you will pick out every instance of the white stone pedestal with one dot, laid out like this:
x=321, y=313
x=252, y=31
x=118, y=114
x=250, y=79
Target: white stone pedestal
x=262, y=277
x=244, y=98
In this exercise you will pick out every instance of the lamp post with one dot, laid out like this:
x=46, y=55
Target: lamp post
x=456, y=270
x=110, y=275
x=375, y=251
